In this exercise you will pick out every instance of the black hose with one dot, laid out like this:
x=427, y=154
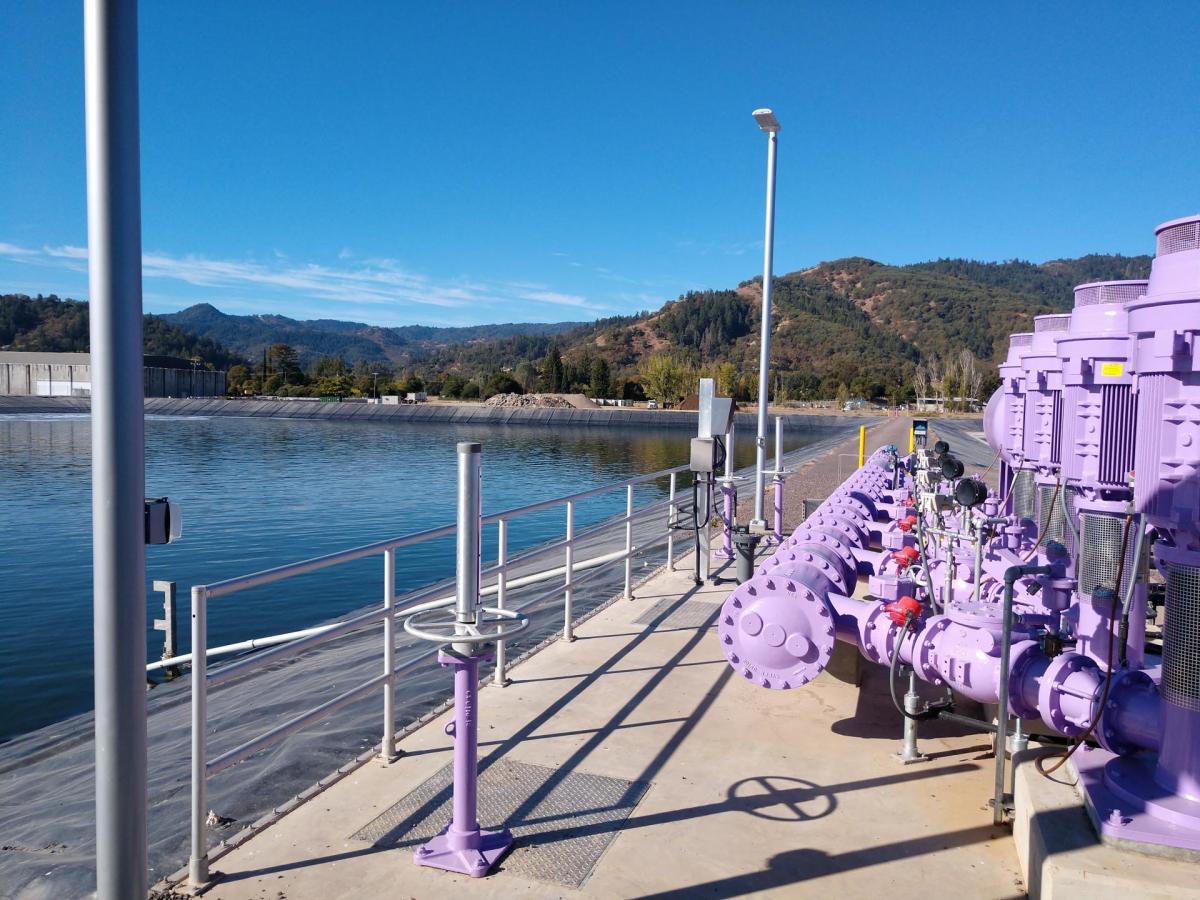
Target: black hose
x=931, y=710
x=1127, y=599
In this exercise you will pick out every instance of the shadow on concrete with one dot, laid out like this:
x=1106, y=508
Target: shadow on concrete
x=776, y=797
x=876, y=718
x=795, y=867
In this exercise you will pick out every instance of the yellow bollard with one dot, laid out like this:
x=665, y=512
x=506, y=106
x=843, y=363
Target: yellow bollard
x=862, y=445
x=912, y=438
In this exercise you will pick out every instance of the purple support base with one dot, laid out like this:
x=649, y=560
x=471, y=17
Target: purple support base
x=1129, y=808
x=476, y=860
x=462, y=846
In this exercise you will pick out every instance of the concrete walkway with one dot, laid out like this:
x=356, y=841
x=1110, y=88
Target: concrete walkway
x=657, y=772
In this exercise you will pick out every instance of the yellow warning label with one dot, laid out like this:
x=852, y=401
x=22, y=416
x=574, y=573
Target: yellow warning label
x=1112, y=369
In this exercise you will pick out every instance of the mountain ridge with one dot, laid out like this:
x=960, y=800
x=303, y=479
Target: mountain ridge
x=353, y=341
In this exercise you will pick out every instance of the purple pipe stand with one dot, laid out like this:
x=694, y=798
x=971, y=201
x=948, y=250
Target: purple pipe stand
x=776, y=537
x=462, y=846
x=725, y=551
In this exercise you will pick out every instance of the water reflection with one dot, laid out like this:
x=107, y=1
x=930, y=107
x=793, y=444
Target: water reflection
x=257, y=493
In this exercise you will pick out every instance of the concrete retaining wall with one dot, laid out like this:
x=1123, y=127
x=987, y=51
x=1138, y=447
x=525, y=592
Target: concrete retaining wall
x=463, y=414
x=75, y=380
x=452, y=414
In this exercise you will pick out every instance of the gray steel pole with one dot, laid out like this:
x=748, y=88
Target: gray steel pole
x=470, y=493
x=764, y=359
x=118, y=488
x=198, y=860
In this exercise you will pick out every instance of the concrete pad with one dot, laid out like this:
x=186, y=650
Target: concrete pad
x=1061, y=855
x=748, y=791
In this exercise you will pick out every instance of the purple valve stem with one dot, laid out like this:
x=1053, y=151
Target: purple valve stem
x=725, y=551
x=462, y=846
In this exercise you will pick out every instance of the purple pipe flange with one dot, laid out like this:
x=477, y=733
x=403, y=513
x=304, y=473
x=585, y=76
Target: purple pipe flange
x=769, y=636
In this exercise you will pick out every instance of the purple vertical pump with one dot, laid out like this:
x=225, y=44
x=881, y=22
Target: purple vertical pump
x=1034, y=599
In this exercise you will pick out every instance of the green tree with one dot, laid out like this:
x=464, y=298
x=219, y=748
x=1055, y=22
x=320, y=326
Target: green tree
x=527, y=375
x=600, y=378
x=334, y=386
x=470, y=391
x=285, y=362
x=329, y=365
x=553, y=373
x=726, y=376
x=452, y=386
x=501, y=383
x=665, y=377
x=236, y=380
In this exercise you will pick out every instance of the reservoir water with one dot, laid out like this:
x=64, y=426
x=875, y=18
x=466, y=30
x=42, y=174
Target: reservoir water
x=258, y=493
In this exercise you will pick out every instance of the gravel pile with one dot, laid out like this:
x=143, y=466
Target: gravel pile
x=544, y=401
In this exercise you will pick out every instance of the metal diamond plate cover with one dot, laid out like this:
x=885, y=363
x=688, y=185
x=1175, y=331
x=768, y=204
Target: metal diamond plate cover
x=562, y=821
x=671, y=613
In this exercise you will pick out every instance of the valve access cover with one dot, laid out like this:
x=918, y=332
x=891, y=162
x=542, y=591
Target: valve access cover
x=776, y=632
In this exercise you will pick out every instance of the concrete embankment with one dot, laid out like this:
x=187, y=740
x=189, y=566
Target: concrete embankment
x=422, y=412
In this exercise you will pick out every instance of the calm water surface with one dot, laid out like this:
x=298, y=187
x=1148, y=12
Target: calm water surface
x=256, y=494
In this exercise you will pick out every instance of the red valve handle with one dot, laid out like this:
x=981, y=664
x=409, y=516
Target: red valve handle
x=904, y=608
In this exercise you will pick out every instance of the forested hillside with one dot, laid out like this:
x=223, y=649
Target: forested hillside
x=852, y=327
x=51, y=325
x=353, y=342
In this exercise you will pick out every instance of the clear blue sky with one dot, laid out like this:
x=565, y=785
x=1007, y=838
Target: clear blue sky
x=452, y=163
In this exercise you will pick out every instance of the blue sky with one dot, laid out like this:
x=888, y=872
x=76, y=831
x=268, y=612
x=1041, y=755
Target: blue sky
x=453, y=163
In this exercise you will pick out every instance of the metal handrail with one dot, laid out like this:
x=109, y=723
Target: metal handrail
x=202, y=768
x=582, y=495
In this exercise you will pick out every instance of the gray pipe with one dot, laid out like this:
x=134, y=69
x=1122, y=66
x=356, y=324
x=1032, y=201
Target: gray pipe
x=1010, y=578
x=470, y=492
x=118, y=473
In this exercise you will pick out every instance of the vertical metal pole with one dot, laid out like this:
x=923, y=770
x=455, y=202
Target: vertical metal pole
x=198, y=862
x=764, y=360
x=672, y=515
x=500, y=677
x=862, y=445
x=569, y=569
x=628, y=541
x=387, y=749
x=118, y=471
x=776, y=537
x=469, y=508
x=728, y=501
x=978, y=557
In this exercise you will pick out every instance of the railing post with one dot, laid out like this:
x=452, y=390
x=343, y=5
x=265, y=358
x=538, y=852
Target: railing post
x=500, y=676
x=672, y=515
x=568, y=590
x=387, y=747
x=198, y=862
x=168, y=625
x=628, y=541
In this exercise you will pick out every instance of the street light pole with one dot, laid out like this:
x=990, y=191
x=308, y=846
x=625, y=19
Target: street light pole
x=768, y=123
x=118, y=470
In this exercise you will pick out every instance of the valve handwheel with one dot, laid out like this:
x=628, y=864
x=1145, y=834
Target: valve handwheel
x=492, y=624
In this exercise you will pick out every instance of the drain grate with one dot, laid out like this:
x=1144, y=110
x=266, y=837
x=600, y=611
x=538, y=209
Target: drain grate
x=562, y=822
x=671, y=613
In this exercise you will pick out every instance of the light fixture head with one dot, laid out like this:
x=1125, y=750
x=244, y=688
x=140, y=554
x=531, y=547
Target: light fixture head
x=766, y=120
